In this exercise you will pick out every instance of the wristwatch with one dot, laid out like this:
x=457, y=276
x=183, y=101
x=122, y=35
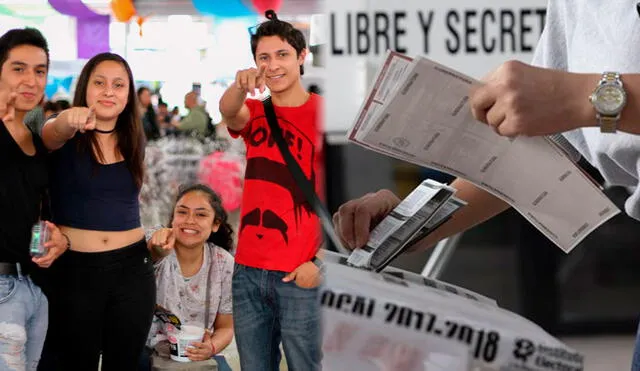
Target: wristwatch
x=608, y=99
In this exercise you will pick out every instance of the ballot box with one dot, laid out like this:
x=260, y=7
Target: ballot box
x=398, y=320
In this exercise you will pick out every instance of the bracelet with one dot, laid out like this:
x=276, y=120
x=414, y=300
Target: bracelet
x=66, y=238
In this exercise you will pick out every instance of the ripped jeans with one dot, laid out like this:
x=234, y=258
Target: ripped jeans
x=23, y=323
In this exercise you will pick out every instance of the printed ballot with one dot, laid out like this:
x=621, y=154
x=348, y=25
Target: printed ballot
x=418, y=111
x=426, y=208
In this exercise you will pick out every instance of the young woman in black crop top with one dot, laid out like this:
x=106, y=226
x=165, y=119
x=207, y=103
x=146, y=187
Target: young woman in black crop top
x=105, y=287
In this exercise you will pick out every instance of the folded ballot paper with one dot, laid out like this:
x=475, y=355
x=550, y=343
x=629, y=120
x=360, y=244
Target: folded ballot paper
x=425, y=209
x=418, y=111
x=397, y=320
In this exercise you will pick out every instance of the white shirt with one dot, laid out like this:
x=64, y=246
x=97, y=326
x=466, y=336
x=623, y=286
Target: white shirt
x=185, y=297
x=594, y=36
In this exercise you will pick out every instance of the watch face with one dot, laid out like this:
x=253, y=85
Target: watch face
x=609, y=99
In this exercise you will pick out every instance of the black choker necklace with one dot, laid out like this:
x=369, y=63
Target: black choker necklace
x=105, y=131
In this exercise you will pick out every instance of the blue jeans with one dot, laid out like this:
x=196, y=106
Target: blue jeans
x=635, y=363
x=223, y=365
x=23, y=323
x=267, y=311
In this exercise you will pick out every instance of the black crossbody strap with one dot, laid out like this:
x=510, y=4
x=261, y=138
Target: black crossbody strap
x=298, y=175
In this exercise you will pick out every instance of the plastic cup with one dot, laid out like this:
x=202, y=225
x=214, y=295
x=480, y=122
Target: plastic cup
x=39, y=236
x=182, y=340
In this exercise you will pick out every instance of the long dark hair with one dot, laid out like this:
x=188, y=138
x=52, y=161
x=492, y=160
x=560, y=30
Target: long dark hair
x=224, y=236
x=129, y=132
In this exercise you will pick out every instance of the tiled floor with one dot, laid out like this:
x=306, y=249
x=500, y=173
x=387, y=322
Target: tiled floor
x=604, y=353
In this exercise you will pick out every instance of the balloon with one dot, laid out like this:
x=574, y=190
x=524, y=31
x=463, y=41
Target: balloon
x=248, y=4
x=123, y=10
x=262, y=6
x=102, y=7
x=74, y=8
x=222, y=8
x=140, y=21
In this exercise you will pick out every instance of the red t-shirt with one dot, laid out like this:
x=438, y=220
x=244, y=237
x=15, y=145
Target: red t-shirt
x=278, y=228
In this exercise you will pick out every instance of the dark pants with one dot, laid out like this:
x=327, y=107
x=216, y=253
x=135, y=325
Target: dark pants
x=100, y=303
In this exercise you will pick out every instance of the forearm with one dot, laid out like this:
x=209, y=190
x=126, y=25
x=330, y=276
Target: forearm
x=222, y=338
x=481, y=206
x=232, y=108
x=232, y=101
x=57, y=131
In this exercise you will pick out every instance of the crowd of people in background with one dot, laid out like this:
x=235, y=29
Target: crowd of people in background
x=158, y=121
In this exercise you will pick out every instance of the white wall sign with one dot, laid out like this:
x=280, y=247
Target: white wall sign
x=471, y=36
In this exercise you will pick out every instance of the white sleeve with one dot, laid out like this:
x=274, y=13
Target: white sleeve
x=226, y=301
x=551, y=51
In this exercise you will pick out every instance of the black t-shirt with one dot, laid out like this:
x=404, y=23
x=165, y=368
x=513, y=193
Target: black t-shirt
x=23, y=183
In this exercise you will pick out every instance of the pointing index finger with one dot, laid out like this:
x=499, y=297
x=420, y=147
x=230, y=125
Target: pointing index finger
x=262, y=70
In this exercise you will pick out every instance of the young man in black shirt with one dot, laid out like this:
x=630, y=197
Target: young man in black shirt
x=24, y=63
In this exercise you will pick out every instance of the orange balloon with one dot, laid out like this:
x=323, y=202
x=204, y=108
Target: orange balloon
x=140, y=21
x=123, y=10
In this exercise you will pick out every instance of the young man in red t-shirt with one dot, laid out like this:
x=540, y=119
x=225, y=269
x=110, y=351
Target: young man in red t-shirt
x=276, y=277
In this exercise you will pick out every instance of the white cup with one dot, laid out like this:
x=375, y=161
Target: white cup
x=182, y=340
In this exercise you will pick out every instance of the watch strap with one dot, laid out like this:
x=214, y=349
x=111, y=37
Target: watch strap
x=611, y=77
x=608, y=124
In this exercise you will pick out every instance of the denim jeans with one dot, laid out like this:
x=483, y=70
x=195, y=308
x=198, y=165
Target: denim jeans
x=267, y=311
x=635, y=363
x=223, y=365
x=23, y=323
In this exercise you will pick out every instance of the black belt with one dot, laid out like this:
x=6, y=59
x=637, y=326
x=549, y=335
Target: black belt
x=9, y=268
